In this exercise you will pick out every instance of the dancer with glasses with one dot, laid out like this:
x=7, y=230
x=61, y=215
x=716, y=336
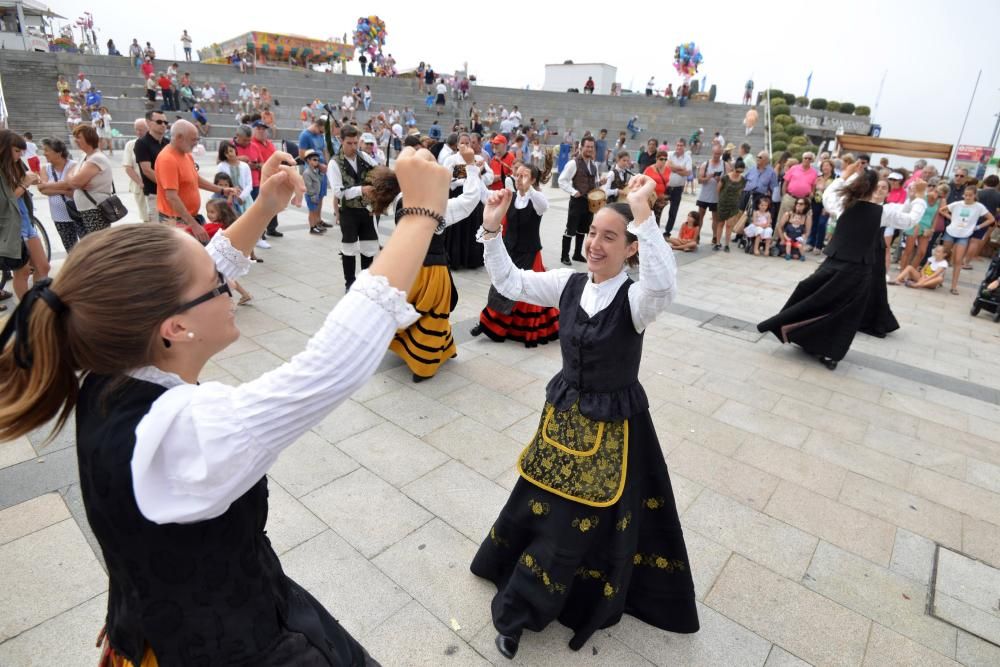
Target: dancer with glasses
x=173, y=471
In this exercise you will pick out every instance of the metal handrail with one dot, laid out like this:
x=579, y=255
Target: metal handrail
x=3, y=106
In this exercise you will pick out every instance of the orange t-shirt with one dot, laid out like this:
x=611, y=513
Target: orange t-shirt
x=660, y=179
x=175, y=171
x=688, y=233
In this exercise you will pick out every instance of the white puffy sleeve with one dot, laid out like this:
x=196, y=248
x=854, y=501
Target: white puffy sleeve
x=231, y=262
x=657, y=285
x=203, y=446
x=832, y=196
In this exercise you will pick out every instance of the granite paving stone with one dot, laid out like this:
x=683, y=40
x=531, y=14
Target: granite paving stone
x=720, y=641
x=66, y=639
x=486, y=406
x=913, y=556
x=309, y=463
x=289, y=523
x=16, y=451
x=779, y=657
x=981, y=539
x=890, y=599
x=392, y=453
x=982, y=474
x=759, y=421
x=460, y=496
x=732, y=478
x=347, y=419
x=771, y=543
x=795, y=466
x=412, y=411
x=975, y=652
x=860, y=459
x=966, y=498
x=366, y=511
x=915, y=451
x=412, y=637
x=886, y=647
x=432, y=565
x=45, y=573
x=674, y=424
x=549, y=648
x=477, y=445
x=31, y=515
x=834, y=522
x=805, y=623
x=965, y=594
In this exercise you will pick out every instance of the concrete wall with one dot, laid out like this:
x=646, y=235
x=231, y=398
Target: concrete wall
x=560, y=78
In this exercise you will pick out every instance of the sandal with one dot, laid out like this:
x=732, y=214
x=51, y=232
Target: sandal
x=954, y=291
x=244, y=300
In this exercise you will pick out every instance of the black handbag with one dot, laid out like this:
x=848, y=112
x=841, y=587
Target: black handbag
x=112, y=209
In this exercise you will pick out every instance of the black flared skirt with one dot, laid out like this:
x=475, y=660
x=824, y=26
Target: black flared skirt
x=464, y=252
x=824, y=312
x=878, y=319
x=557, y=559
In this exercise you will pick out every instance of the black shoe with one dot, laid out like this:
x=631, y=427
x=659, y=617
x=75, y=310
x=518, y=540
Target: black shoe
x=828, y=362
x=579, y=258
x=275, y=233
x=476, y=330
x=326, y=225
x=565, y=260
x=716, y=247
x=725, y=249
x=507, y=646
x=317, y=230
x=418, y=379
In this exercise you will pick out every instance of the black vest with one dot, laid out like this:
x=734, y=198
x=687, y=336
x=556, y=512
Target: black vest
x=205, y=593
x=858, y=232
x=618, y=181
x=521, y=238
x=352, y=178
x=585, y=178
x=436, y=252
x=600, y=357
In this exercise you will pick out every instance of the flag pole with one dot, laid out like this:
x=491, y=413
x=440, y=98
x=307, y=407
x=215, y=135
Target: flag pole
x=954, y=149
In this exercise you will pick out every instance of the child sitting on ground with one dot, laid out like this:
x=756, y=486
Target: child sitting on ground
x=930, y=276
x=793, y=228
x=760, y=227
x=688, y=241
x=220, y=215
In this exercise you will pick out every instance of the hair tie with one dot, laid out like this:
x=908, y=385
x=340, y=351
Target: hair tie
x=17, y=325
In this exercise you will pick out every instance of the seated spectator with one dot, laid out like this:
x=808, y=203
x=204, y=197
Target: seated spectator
x=795, y=226
x=65, y=99
x=760, y=227
x=931, y=276
x=690, y=230
x=187, y=97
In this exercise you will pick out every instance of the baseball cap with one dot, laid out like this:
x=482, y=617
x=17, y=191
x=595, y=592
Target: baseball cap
x=368, y=138
x=499, y=139
x=895, y=176
x=260, y=123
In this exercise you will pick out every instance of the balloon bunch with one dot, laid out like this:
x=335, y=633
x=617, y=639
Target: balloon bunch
x=369, y=34
x=687, y=57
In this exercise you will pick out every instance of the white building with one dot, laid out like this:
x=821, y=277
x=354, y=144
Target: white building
x=562, y=77
x=24, y=24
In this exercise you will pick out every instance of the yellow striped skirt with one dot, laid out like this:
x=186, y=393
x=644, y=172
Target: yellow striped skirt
x=427, y=343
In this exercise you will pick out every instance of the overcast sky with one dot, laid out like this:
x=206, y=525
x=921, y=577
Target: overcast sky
x=930, y=51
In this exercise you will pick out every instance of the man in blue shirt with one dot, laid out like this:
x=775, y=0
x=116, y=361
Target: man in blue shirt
x=761, y=180
x=434, y=132
x=312, y=138
x=200, y=119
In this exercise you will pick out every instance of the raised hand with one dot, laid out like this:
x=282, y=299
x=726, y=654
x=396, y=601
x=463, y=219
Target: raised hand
x=280, y=182
x=423, y=182
x=467, y=153
x=641, y=190
x=496, y=208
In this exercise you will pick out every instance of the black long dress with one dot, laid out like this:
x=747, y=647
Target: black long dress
x=590, y=531
x=878, y=320
x=460, y=244
x=825, y=310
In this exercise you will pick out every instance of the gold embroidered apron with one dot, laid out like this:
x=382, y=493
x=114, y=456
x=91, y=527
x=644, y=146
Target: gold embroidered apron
x=576, y=457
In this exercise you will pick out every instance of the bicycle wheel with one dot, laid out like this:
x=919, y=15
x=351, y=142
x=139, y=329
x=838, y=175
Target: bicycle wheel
x=43, y=236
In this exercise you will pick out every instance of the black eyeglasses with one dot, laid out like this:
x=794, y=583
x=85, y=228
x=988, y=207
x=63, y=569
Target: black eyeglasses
x=160, y=122
x=223, y=288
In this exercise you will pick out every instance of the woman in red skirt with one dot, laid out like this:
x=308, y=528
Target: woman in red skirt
x=502, y=318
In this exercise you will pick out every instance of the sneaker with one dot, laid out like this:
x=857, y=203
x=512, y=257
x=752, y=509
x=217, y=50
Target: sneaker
x=326, y=225
x=788, y=258
x=716, y=247
x=261, y=243
x=725, y=249
x=276, y=234
x=317, y=230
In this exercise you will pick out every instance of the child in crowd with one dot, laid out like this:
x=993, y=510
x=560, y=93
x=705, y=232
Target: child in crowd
x=688, y=240
x=313, y=179
x=220, y=215
x=760, y=227
x=930, y=277
x=794, y=226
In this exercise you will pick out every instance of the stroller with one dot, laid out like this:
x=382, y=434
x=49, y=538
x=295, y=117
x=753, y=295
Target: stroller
x=987, y=299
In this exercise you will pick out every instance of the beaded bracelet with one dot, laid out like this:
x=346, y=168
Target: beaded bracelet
x=424, y=212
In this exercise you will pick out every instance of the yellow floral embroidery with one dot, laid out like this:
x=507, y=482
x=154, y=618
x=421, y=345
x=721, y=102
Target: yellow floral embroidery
x=609, y=590
x=586, y=523
x=659, y=562
x=538, y=508
x=576, y=457
x=654, y=503
x=625, y=521
x=496, y=539
x=551, y=586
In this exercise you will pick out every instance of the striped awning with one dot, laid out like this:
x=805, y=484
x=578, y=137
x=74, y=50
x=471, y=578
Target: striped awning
x=860, y=143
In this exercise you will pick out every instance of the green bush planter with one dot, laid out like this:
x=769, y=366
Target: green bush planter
x=847, y=107
x=862, y=111
x=833, y=105
x=817, y=103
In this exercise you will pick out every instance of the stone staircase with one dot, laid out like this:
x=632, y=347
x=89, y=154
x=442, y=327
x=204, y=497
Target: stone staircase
x=29, y=82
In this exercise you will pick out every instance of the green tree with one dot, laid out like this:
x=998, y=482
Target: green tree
x=817, y=103
x=862, y=110
x=833, y=105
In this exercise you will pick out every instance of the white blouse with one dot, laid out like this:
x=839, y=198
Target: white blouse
x=655, y=289
x=532, y=196
x=461, y=207
x=201, y=447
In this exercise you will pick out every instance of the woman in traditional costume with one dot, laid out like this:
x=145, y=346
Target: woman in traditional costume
x=826, y=309
x=424, y=345
x=173, y=471
x=590, y=531
x=502, y=318
x=460, y=244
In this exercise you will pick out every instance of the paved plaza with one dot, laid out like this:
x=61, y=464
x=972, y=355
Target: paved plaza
x=817, y=506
